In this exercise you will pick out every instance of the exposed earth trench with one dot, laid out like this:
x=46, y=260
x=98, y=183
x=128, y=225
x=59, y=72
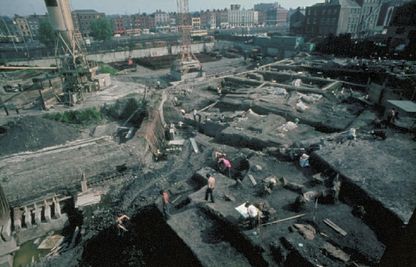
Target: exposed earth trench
x=259, y=121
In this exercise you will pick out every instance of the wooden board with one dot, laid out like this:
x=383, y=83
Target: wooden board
x=253, y=181
x=335, y=227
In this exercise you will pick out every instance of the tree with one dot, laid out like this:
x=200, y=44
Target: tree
x=47, y=35
x=101, y=29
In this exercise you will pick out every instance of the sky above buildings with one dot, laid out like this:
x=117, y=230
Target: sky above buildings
x=27, y=7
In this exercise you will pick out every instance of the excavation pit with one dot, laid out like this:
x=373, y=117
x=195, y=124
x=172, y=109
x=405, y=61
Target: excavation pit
x=149, y=242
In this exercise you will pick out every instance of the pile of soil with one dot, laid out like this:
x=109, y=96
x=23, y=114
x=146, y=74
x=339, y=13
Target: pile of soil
x=33, y=133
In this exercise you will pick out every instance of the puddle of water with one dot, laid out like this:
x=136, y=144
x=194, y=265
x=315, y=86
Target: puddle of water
x=28, y=252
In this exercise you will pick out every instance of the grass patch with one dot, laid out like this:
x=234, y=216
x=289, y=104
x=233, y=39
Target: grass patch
x=82, y=117
x=104, y=68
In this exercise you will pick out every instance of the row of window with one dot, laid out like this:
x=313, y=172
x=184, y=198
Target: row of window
x=322, y=21
x=324, y=11
x=352, y=28
x=88, y=17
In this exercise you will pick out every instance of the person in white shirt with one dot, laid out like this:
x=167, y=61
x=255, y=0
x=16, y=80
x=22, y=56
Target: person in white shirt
x=253, y=214
x=210, y=187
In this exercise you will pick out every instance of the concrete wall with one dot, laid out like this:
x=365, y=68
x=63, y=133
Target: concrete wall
x=153, y=128
x=109, y=57
x=4, y=208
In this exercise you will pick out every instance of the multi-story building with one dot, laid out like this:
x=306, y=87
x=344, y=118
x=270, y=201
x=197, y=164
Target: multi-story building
x=196, y=23
x=386, y=14
x=401, y=32
x=271, y=14
x=297, y=21
x=83, y=19
x=262, y=10
x=281, y=17
x=332, y=17
x=161, y=18
x=9, y=31
x=208, y=19
x=143, y=21
x=264, y=7
x=23, y=27
x=241, y=17
x=34, y=22
x=118, y=24
x=221, y=18
x=370, y=10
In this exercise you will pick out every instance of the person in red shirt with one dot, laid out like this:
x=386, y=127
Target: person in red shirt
x=165, y=203
x=224, y=164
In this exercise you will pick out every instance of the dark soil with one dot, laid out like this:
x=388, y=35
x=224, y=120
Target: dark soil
x=33, y=133
x=149, y=242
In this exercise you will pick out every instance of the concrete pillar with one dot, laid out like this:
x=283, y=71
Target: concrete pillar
x=17, y=219
x=38, y=215
x=57, y=208
x=84, y=186
x=6, y=231
x=4, y=208
x=28, y=218
x=48, y=215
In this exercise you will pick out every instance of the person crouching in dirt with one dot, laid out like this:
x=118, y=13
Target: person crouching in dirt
x=392, y=115
x=121, y=221
x=224, y=164
x=165, y=203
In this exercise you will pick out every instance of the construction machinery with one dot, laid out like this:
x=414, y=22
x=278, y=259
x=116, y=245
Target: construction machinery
x=187, y=66
x=78, y=75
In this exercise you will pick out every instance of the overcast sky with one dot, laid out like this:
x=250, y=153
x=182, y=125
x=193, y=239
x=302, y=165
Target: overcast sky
x=27, y=7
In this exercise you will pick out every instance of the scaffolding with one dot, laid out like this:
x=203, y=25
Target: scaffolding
x=77, y=74
x=187, y=66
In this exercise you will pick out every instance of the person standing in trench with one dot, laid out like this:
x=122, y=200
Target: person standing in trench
x=165, y=203
x=210, y=188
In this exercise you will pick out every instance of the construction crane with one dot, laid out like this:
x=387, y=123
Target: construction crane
x=77, y=73
x=187, y=66
x=185, y=29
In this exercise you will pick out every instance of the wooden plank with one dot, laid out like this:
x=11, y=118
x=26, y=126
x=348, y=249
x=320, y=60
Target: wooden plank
x=178, y=142
x=286, y=219
x=253, y=181
x=209, y=106
x=194, y=145
x=335, y=227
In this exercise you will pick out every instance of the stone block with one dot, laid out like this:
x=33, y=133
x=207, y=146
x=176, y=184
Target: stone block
x=28, y=218
x=57, y=206
x=6, y=231
x=47, y=210
x=38, y=215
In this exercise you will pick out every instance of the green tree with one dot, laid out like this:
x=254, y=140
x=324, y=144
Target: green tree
x=101, y=29
x=47, y=35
